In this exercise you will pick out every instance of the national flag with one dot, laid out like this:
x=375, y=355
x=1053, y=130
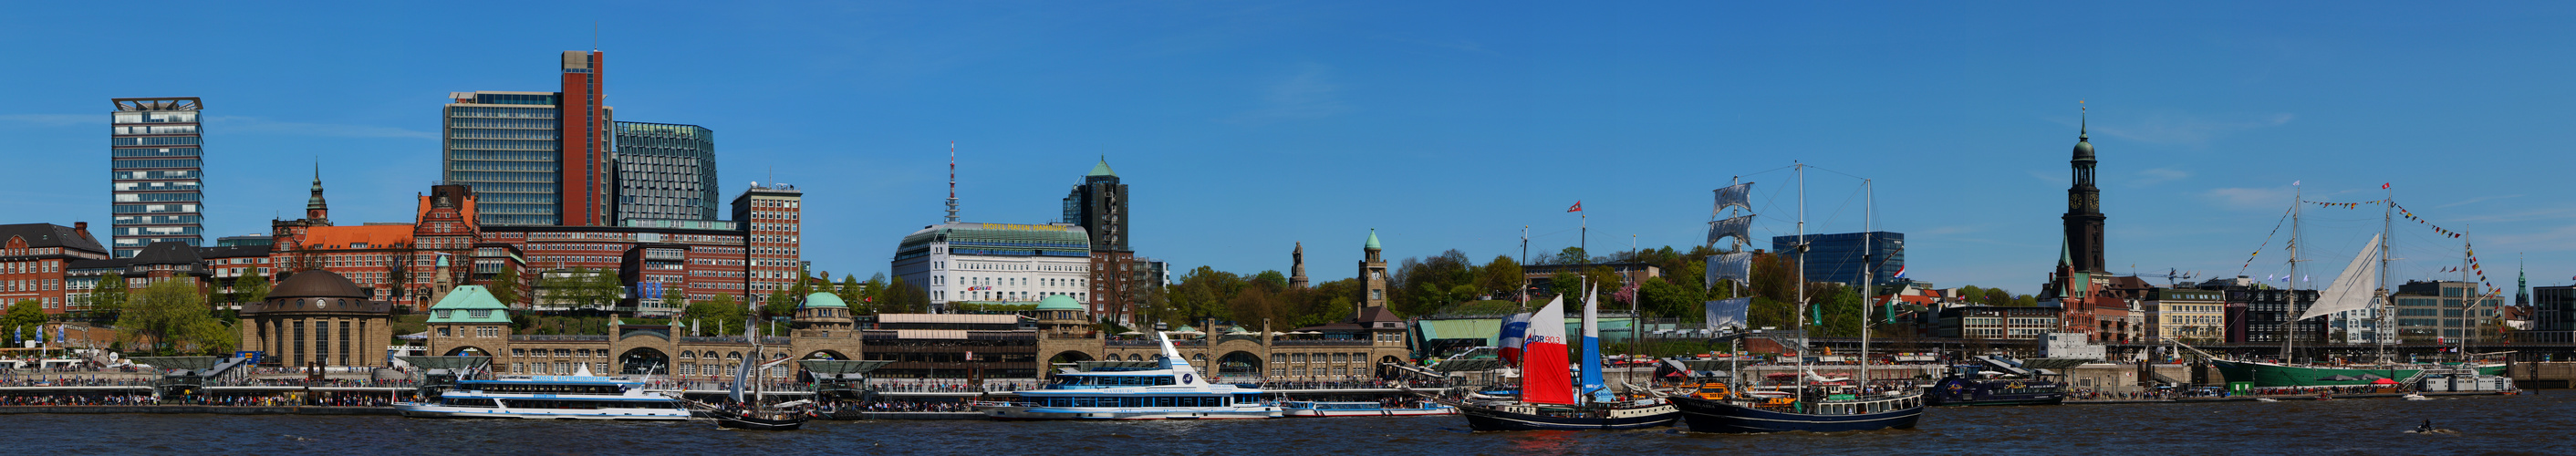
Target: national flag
x=2383, y=186
x=1900, y=272
x=1578, y=207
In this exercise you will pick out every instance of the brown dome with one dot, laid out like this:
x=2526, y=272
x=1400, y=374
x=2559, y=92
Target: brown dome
x=317, y=284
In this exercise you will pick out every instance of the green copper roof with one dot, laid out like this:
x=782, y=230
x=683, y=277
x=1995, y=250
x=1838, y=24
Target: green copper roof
x=1059, y=302
x=1184, y=328
x=1372, y=243
x=2065, y=252
x=469, y=304
x=824, y=300
x=1101, y=169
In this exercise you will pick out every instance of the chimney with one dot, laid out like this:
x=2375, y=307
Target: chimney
x=83, y=228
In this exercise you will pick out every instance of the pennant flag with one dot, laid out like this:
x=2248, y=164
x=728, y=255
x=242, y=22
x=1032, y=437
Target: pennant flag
x=1578, y=207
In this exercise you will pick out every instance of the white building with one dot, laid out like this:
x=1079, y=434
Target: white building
x=996, y=262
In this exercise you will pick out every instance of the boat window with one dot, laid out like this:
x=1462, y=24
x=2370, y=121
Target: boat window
x=1163, y=402
x=1162, y=381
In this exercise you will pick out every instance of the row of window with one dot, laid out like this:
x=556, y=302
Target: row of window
x=157, y=130
x=156, y=163
x=156, y=141
x=1303, y=372
x=155, y=117
x=154, y=152
x=163, y=174
x=152, y=208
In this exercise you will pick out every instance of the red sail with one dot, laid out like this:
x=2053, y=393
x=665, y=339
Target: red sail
x=1543, y=376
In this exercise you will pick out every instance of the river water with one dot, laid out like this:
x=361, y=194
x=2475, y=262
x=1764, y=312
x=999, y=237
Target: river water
x=2529, y=424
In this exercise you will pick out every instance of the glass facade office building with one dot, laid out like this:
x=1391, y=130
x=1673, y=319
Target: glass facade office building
x=1837, y=257
x=665, y=171
x=508, y=147
x=157, y=168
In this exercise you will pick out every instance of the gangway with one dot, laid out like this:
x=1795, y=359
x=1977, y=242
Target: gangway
x=842, y=378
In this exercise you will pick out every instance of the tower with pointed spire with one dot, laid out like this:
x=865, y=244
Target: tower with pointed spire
x=314, y=208
x=2084, y=208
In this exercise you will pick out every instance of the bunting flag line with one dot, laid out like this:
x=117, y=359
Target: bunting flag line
x=2267, y=242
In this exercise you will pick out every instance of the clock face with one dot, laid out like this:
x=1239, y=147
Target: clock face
x=2092, y=202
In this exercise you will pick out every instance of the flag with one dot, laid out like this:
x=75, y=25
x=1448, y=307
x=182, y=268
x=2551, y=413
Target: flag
x=1578, y=207
x=2383, y=186
x=1900, y=272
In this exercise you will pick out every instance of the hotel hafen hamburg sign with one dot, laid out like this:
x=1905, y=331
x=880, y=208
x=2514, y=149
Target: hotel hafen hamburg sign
x=1014, y=226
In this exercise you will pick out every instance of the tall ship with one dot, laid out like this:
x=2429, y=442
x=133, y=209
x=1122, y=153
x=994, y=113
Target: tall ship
x=2360, y=287
x=1172, y=391
x=1808, y=405
x=560, y=397
x=1548, y=398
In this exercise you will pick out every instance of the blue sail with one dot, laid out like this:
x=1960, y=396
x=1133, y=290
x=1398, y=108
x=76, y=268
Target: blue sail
x=1591, y=382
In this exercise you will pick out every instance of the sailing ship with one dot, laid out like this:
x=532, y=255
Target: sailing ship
x=2360, y=287
x=747, y=411
x=1852, y=406
x=1549, y=399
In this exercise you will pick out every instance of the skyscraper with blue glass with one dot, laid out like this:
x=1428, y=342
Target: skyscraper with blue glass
x=508, y=147
x=158, y=170
x=665, y=171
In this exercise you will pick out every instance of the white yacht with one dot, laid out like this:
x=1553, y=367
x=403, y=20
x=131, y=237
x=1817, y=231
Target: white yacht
x=1174, y=391
x=561, y=397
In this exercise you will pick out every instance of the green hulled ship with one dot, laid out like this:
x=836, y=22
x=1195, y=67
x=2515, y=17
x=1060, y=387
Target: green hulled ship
x=2270, y=375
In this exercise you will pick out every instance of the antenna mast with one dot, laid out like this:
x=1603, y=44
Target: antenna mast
x=952, y=182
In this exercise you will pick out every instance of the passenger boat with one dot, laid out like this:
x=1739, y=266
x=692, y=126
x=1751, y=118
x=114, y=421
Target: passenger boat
x=1173, y=391
x=1970, y=385
x=1549, y=400
x=563, y=397
x=1306, y=409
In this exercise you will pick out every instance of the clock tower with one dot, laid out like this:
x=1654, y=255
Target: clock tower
x=2084, y=209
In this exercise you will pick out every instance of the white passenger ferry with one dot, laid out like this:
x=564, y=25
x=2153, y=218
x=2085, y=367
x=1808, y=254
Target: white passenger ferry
x=561, y=397
x=1174, y=391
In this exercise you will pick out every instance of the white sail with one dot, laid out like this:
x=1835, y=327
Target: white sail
x=1738, y=227
x=1737, y=195
x=1729, y=266
x=2353, y=290
x=1728, y=313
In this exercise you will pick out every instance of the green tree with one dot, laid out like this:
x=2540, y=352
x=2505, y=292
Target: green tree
x=108, y=300
x=505, y=287
x=1503, y=277
x=782, y=303
x=717, y=316
x=1572, y=255
x=900, y=297
x=24, y=317
x=250, y=288
x=171, y=317
x=850, y=291
x=1662, y=298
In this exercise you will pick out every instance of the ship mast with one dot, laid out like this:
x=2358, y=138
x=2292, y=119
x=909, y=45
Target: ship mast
x=1869, y=202
x=1804, y=343
x=2385, y=331
x=2290, y=328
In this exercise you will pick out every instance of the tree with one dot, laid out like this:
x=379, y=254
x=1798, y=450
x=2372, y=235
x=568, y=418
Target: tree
x=1503, y=276
x=1662, y=298
x=900, y=297
x=172, y=318
x=250, y=288
x=398, y=272
x=1572, y=255
x=23, y=317
x=850, y=291
x=782, y=303
x=718, y=316
x=108, y=300
x=505, y=287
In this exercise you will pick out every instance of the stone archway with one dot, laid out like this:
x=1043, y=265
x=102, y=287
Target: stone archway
x=827, y=355
x=644, y=360
x=1385, y=368
x=1239, y=364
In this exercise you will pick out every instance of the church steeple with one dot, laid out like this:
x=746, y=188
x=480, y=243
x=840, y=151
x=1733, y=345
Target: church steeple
x=2084, y=205
x=315, y=208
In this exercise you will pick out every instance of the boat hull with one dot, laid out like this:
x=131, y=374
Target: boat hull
x=1705, y=415
x=1311, y=413
x=1489, y=419
x=416, y=410
x=759, y=424
x=2269, y=375
x=1027, y=413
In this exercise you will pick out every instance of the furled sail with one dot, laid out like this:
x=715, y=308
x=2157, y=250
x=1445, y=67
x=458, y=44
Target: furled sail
x=2352, y=290
x=1737, y=195
x=1729, y=266
x=1728, y=313
x=1739, y=227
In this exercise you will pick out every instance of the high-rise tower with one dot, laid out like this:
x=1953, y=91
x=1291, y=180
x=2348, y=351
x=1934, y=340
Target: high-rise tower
x=665, y=171
x=535, y=158
x=2084, y=209
x=157, y=169
x=1099, y=205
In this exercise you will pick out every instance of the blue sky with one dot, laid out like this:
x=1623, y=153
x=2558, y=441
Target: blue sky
x=1244, y=127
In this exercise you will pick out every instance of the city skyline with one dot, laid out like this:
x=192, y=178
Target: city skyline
x=1246, y=128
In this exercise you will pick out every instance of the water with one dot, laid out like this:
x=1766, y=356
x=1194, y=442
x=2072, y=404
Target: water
x=2489, y=425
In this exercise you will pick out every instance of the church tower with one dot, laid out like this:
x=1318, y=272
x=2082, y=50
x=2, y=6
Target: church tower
x=2084, y=209
x=315, y=209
